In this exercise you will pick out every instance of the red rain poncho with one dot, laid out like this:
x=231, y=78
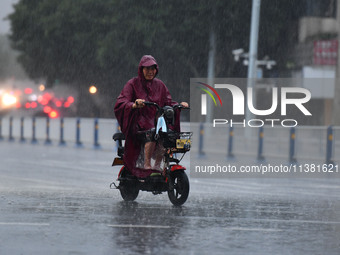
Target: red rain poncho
x=133, y=120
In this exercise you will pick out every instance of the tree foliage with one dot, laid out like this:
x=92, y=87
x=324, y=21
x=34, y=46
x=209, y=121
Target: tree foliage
x=9, y=67
x=4, y=56
x=101, y=41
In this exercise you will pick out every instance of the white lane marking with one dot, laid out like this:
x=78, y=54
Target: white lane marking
x=299, y=221
x=255, y=229
x=23, y=224
x=137, y=226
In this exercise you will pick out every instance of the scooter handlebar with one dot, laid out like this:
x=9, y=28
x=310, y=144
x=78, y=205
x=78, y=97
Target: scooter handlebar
x=180, y=107
x=151, y=104
x=175, y=106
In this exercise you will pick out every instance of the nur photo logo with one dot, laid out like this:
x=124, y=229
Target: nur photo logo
x=204, y=97
x=280, y=98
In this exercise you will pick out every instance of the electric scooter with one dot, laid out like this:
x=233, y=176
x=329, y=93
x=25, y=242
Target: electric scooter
x=172, y=178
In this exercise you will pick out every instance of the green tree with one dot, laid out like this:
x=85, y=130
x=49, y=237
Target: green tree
x=4, y=56
x=101, y=41
x=57, y=39
x=9, y=68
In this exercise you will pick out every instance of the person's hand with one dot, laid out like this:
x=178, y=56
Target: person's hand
x=139, y=103
x=184, y=104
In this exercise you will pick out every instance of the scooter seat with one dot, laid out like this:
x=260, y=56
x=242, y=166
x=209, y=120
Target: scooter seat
x=118, y=136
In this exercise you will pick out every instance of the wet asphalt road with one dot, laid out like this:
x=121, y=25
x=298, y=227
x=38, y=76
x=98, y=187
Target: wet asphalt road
x=56, y=200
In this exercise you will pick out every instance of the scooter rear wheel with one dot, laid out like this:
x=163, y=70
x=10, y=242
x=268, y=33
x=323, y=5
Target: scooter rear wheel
x=180, y=192
x=128, y=191
x=128, y=188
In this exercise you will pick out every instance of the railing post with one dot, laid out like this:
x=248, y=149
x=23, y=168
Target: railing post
x=230, y=143
x=61, y=140
x=1, y=137
x=96, y=145
x=48, y=140
x=292, y=137
x=329, y=146
x=201, y=140
x=11, y=138
x=260, y=156
x=78, y=142
x=34, y=139
x=22, y=138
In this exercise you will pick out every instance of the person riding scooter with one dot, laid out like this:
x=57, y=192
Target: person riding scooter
x=133, y=117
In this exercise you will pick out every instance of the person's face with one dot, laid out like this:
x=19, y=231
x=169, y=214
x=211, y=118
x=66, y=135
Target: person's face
x=149, y=72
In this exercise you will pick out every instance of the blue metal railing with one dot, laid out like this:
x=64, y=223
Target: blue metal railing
x=262, y=143
x=47, y=140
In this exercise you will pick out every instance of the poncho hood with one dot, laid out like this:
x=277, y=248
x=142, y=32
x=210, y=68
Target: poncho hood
x=147, y=60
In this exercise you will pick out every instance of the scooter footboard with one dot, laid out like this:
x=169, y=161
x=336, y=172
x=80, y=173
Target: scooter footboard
x=154, y=184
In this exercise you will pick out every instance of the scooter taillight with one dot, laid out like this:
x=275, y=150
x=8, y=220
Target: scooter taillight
x=120, y=172
x=177, y=167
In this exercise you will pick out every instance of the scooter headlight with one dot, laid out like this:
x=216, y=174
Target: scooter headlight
x=168, y=112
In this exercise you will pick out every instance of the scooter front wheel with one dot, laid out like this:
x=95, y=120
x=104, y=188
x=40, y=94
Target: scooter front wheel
x=179, y=191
